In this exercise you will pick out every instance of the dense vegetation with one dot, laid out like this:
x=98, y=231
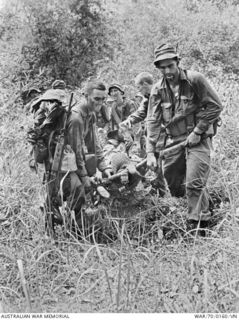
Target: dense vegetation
x=115, y=40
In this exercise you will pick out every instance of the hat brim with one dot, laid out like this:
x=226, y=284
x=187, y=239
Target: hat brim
x=165, y=56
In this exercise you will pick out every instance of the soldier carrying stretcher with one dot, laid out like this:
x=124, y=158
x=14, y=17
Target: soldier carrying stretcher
x=183, y=107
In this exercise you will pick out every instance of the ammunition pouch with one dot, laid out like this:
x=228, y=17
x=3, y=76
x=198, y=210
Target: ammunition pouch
x=90, y=164
x=175, y=131
x=180, y=125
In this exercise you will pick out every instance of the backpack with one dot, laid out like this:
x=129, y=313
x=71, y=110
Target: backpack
x=49, y=113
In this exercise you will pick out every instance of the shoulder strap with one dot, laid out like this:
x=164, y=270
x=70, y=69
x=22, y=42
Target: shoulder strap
x=92, y=129
x=190, y=78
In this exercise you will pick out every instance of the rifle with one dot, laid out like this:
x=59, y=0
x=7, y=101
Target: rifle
x=53, y=175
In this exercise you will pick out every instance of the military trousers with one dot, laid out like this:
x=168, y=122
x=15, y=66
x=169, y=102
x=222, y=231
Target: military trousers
x=73, y=192
x=187, y=172
x=158, y=182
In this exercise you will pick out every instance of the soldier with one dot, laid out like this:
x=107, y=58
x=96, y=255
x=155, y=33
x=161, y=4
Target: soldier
x=82, y=153
x=83, y=139
x=138, y=98
x=122, y=107
x=183, y=107
x=144, y=84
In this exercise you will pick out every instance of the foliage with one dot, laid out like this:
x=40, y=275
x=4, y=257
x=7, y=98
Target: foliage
x=67, y=37
x=207, y=38
x=58, y=39
x=183, y=274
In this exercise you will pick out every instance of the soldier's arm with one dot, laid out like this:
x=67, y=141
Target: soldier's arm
x=153, y=121
x=133, y=106
x=130, y=107
x=76, y=141
x=210, y=105
x=140, y=114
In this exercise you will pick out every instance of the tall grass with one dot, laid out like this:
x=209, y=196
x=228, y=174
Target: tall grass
x=143, y=270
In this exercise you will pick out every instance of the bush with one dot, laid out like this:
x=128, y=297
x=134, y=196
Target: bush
x=207, y=35
x=57, y=39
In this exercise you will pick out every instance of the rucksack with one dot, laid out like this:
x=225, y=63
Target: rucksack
x=49, y=113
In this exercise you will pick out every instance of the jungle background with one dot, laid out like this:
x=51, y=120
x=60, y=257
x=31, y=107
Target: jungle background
x=114, y=40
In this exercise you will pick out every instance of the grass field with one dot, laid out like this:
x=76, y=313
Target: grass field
x=180, y=272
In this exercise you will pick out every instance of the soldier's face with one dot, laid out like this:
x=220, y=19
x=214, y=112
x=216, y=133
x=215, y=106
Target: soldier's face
x=116, y=94
x=96, y=100
x=138, y=99
x=143, y=88
x=169, y=69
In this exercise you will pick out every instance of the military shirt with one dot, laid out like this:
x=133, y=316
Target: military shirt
x=196, y=100
x=103, y=117
x=81, y=127
x=141, y=113
x=120, y=113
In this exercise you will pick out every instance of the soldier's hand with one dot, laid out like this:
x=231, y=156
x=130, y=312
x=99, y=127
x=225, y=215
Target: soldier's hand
x=94, y=180
x=126, y=124
x=124, y=178
x=86, y=181
x=193, y=139
x=97, y=178
x=151, y=161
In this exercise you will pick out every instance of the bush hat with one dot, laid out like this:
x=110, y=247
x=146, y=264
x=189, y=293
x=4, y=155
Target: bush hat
x=117, y=86
x=165, y=51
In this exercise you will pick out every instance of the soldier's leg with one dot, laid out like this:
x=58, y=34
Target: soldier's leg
x=159, y=183
x=198, y=167
x=74, y=192
x=174, y=169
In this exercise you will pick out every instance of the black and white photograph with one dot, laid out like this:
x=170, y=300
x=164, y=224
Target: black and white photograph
x=119, y=159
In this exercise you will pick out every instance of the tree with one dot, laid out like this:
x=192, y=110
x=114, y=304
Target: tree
x=64, y=39
x=207, y=35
